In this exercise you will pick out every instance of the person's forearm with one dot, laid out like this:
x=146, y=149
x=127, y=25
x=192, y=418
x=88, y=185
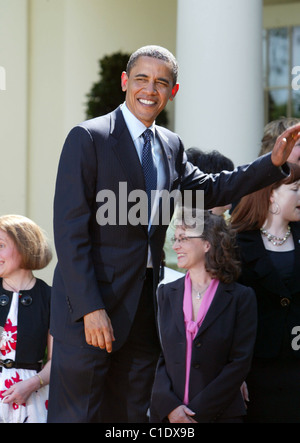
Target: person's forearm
x=42, y=378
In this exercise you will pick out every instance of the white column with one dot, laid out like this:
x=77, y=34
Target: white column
x=13, y=106
x=220, y=100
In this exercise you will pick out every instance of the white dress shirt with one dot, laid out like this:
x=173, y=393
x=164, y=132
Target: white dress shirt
x=136, y=129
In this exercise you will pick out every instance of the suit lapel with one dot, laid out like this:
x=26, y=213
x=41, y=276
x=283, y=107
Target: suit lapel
x=125, y=151
x=176, y=302
x=168, y=156
x=222, y=298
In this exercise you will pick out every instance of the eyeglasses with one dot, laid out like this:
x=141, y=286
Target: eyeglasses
x=183, y=240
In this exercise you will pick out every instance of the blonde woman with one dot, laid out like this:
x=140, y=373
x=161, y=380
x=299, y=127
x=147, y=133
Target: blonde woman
x=24, y=322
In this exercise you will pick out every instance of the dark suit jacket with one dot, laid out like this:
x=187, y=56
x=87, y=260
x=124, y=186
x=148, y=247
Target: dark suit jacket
x=221, y=354
x=104, y=266
x=278, y=304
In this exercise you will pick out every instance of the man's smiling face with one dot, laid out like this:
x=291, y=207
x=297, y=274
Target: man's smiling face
x=149, y=87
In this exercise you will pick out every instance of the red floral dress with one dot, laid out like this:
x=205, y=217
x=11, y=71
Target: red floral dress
x=35, y=409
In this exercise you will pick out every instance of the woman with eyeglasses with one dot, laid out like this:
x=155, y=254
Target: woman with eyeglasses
x=207, y=325
x=24, y=322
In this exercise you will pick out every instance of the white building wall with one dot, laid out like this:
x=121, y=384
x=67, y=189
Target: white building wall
x=50, y=51
x=13, y=106
x=219, y=48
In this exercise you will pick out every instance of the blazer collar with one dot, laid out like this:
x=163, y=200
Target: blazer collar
x=176, y=302
x=253, y=244
x=221, y=299
x=256, y=256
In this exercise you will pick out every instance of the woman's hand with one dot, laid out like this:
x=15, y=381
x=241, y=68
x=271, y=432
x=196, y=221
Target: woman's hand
x=182, y=414
x=20, y=392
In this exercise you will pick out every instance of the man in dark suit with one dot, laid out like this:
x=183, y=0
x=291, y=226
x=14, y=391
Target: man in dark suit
x=103, y=305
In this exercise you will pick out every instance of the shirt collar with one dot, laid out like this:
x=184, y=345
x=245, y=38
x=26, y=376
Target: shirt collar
x=134, y=125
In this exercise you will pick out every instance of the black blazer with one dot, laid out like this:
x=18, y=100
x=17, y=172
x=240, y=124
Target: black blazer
x=33, y=322
x=221, y=354
x=105, y=266
x=278, y=305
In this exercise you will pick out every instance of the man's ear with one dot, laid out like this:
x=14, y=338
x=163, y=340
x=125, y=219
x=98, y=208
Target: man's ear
x=174, y=91
x=124, y=80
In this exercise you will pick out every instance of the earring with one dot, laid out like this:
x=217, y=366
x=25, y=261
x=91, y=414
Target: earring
x=277, y=209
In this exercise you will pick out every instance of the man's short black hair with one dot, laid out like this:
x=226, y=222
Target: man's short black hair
x=156, y=52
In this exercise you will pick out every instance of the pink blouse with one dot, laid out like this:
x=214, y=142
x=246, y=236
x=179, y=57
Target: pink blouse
x=192, y=327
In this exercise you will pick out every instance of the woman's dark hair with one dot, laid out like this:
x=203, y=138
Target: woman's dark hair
x=222, y=260
x=252, y=210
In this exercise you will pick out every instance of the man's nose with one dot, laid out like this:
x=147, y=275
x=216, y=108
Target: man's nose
x=151, y=87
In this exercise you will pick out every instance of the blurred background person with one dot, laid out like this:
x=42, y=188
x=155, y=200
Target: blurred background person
x=275, y=128
x=272, y=130
x=24, y=317
x=211, y=162
x=267, y=223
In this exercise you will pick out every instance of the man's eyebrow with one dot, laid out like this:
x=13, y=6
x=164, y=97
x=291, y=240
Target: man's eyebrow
x=141, y=75
x=165, y=80
x=162, y=79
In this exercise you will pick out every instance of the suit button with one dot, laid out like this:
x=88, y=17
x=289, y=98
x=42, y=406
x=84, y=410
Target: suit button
x=69, y=305
x=4, y=300
x=196, y=366
x=285, y=302
x=198, y=344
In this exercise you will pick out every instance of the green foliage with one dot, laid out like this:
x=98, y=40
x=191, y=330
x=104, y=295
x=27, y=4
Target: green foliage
x=106, y=94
